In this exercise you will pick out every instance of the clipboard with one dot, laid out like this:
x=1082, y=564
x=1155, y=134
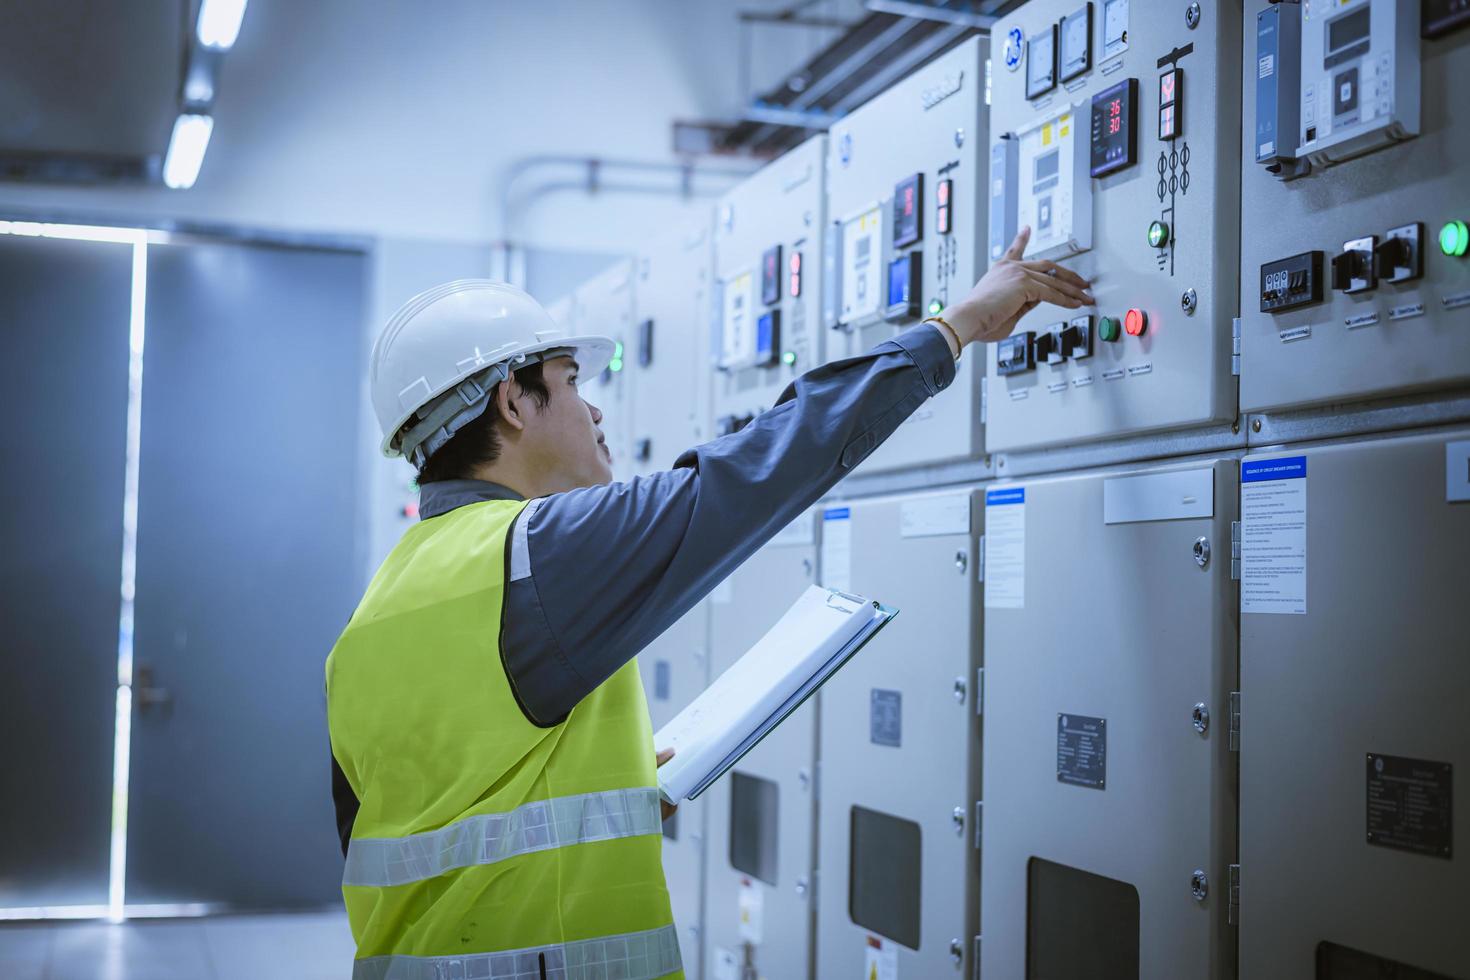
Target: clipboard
x=824, y=629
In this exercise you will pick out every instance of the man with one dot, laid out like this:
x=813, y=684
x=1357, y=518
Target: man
x=493, y=758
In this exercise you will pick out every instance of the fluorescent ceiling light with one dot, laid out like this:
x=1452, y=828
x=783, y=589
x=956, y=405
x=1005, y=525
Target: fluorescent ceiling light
x=186, y=150
x=219, y=22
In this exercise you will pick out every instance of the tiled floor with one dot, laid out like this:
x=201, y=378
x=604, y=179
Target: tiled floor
x=300, y=946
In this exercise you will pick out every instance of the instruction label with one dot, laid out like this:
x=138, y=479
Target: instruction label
x=752, y=912
x=1409, y=804
x=880, y=960
x=1005, y=548
x=1273, y=535
x=837, y=548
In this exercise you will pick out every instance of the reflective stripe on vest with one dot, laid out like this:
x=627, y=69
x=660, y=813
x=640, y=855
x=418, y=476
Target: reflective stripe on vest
x=633, y=956
x=489, y=837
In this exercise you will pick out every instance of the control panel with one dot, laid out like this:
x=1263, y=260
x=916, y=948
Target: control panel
x=1360, y=75
x=1123, y=170
x=767, y=248
x=668, y=365
x=1354, y=234
x=906, y=215
x=603, y=305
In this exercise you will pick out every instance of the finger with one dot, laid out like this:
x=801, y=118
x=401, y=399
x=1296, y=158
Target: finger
x=1045, y=289
x=662, y=756
x=1018, y=247
x=667, y=809
x=1082, y=296
x=1050, y=268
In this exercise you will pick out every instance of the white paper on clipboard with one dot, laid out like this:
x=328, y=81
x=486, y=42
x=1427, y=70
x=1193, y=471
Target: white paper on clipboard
x=816, y=636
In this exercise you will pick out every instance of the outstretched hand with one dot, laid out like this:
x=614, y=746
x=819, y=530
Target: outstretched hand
x=1011, y=288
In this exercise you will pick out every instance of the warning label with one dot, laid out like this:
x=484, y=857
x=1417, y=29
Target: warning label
x=1273, y=541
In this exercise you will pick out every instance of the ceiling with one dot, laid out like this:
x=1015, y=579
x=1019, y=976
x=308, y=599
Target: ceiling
x=82, y=79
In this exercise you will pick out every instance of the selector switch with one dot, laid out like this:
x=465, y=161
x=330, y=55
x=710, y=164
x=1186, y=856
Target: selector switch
x=1353, y=268
x=1015, y=353
x=1049, y=346
x=1077, y=338
x=1400, y=256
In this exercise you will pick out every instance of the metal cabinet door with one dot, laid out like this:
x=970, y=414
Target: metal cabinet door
x=675, y=668
x=249, y=566
x=1101, y=796
x=64, y=313
x=777, y=911
x=899, y=742
x=1376, y=669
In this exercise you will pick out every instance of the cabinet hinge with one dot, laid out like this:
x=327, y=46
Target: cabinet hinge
x=979, y=813
x=1234, y=915
x=1235, y=346
x=975, y=960
x=980, y=565
x=979, y=691
x=1234, y=721
x=984, y=399
x=1235, y=551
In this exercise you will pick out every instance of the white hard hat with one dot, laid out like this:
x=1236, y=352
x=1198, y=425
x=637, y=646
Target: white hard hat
x=435, y=363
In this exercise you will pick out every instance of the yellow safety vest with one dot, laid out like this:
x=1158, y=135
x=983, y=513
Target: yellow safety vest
x=485, y=846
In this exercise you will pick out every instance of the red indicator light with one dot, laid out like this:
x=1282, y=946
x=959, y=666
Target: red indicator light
x=944, y=192
x=1135, y=321
x=1166, y=89
x=795, y=284
x=941, y=219
x=795, y=261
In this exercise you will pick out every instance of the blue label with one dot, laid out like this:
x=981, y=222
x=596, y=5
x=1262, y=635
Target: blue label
x=1261, y=470
x=1010, y=495
x=837, y=514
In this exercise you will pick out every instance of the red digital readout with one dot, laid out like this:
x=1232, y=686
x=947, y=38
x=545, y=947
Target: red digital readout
x=1115, y=116
x=908, y=200
x=1166, y=89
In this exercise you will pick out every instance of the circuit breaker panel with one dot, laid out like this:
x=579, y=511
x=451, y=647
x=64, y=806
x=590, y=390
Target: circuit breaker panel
x=1109, y=782
x=768, y=257
x=762, y=816
x=1113, y=130
x=905, y=214
x=666, y=356
x=603, y=306
x=900, y=749
x=1355, y=259
x=675, y=668
x=1353, y=681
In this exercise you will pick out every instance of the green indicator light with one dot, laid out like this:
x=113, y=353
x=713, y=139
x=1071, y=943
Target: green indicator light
x=788, y=358
x=934, y=307
x=616, y=364
x=1158, y=234
x=1454, y=239
x=618, y=350
x=1108, y=328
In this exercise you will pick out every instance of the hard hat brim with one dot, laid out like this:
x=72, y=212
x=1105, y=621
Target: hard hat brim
x=593, y=355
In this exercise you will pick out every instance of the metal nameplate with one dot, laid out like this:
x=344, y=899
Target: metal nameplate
x=1455, y=301
x=885, y=717
x=1082, y=751
x=1406, y=312
x=1410, y=804
x=1056, y=386
x=1139, y=369
x=1082, y=382
x=1361, y=320
x=1020, y=393
x=1295, y=333
x=1113, y=375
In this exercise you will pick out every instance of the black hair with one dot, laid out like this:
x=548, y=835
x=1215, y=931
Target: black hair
x=478, y=443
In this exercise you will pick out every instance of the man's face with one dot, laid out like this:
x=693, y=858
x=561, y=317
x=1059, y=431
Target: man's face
x=562, y=439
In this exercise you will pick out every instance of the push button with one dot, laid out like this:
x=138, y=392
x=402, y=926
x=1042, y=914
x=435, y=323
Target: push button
x=1109, y=329
x=1135, y=322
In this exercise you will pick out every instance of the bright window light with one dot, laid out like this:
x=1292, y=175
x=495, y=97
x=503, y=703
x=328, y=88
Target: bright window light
x=186, y=150
x=219, y=22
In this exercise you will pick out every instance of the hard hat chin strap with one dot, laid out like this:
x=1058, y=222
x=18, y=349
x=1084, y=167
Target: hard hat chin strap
x=436, y=423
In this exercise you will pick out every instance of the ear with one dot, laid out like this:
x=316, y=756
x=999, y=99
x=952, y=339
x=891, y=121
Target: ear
x=511, y=404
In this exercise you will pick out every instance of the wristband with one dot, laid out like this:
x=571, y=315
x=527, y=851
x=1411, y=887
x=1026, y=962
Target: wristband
x=958, y=347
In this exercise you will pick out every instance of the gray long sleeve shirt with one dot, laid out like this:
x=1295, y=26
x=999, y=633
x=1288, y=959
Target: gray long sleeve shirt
x=599, y=572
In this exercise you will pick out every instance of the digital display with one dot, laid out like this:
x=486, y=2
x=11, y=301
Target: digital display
x=795, y=263
x=1076, y=43
x=1348, y=29
x=1171, y=85
x=767, y=337
x=1041, y=63
x=1114, y=133
x=771, y=275
x=903, y=287
x=1047, y=167
x=907, y=195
